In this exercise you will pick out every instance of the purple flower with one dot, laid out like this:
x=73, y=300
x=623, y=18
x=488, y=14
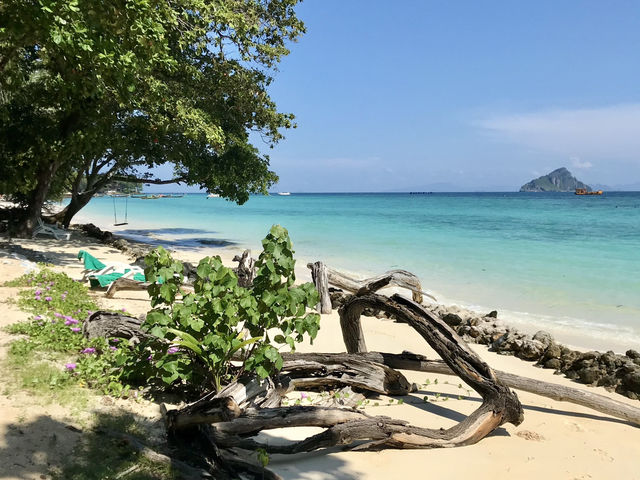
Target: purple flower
x=70, y=366
x=57, y=315
x=150, y=357
x=38, y=292
x=88, y=350
x=115, y=340
x=75, y=329
x=124, y=309
x=71, y=321
x=112, y=348
x=63, y=296
x=48, y=288
x=172, y=350
x=303, y=396
x=37, y=317
x=48, y=299
x=65, y=292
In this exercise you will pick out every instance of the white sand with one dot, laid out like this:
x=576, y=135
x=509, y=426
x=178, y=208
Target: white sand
x=556, y=440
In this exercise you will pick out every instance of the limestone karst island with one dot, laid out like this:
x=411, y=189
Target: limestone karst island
x=560, y=180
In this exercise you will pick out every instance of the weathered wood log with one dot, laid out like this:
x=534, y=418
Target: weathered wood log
x=113, y=325
x=215, y=410
x=561, y=393
x=400, y=278
x=254, y=420
x=246, y=392
x=125, y=284
x=324, y=371
x=320, y=280
x=327, y=370
x=246, y=269
x=500, y=405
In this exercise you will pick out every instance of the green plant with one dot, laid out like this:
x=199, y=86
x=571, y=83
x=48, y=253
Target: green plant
x=197, y=334
x=53, y=334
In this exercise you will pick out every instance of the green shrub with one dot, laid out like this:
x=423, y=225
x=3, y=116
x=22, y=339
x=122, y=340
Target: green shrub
x=197, y=334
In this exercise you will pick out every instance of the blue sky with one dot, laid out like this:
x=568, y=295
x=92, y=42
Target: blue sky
x=393, y=96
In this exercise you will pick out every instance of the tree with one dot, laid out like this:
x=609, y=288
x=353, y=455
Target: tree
x=92, y=92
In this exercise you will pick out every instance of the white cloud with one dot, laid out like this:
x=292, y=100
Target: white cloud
x=611, y=132
x=577, y=163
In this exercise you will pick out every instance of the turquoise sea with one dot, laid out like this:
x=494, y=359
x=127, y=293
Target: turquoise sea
x=557, y=261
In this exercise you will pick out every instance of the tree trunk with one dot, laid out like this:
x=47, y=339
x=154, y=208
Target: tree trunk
x=38, y=196
x=77, y=203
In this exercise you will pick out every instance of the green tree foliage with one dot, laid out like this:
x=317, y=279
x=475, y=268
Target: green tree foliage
x=197, y=334
x=105, y=90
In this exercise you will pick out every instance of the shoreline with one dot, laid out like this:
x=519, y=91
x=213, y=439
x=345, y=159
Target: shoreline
x=575, y=332
x=614, y=371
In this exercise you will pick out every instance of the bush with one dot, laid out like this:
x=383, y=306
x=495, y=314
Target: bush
x=197, y=334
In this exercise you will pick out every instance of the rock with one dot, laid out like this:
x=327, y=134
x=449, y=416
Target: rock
x=589, y=355
x=608, y=381
x=492, y=314
x=553, y=351
x=589, y=375
x=530, y=350
x=631, y=382
x=452, y=319
x=544, y=337
x=633, y=354
x=553, y=363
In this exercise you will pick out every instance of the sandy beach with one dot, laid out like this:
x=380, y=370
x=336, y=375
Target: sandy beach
x=557, y=440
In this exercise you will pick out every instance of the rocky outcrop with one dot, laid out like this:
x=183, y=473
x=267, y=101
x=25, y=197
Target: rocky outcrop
x=615, y=372
x=560, y=180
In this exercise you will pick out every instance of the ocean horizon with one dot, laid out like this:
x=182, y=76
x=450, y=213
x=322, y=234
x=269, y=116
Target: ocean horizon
x=553, y=261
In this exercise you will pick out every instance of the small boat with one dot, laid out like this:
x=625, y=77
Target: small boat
x=213, y=195
x=584, y=191
x=284, y=193
x=150, y=197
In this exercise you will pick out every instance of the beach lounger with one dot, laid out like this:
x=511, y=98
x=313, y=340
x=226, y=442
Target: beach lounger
x=94, y=267
x=57, y=233
x=107, y=279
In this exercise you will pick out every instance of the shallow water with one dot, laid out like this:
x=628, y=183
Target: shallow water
x=557, y=261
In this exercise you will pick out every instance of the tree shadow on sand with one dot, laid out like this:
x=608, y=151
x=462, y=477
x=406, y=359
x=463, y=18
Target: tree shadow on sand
x=45, y=446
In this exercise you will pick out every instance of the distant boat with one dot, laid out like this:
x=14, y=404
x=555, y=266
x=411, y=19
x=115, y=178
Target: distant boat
x=150, y=197
x=583, y=191
x=213, y=195
x=284, y=193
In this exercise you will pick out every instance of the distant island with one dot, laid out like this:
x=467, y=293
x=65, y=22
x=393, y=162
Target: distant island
x=560, y=180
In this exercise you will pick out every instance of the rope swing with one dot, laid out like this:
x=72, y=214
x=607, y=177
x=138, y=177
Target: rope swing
x=126, y=212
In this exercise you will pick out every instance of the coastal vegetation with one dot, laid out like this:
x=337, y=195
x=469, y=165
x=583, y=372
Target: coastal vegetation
x=90, y=95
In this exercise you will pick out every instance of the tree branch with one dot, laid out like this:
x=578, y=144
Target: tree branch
x=155, y=181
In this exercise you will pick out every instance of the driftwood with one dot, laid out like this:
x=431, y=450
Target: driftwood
x=320, y=280
x=246, y=269
x=324, y=371
x=346, y=427
x=420, y=363
x=400, y=278
x=113, y=325
x=125, y=284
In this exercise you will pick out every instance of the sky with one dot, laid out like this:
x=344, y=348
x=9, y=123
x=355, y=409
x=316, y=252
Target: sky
x=459, y=95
